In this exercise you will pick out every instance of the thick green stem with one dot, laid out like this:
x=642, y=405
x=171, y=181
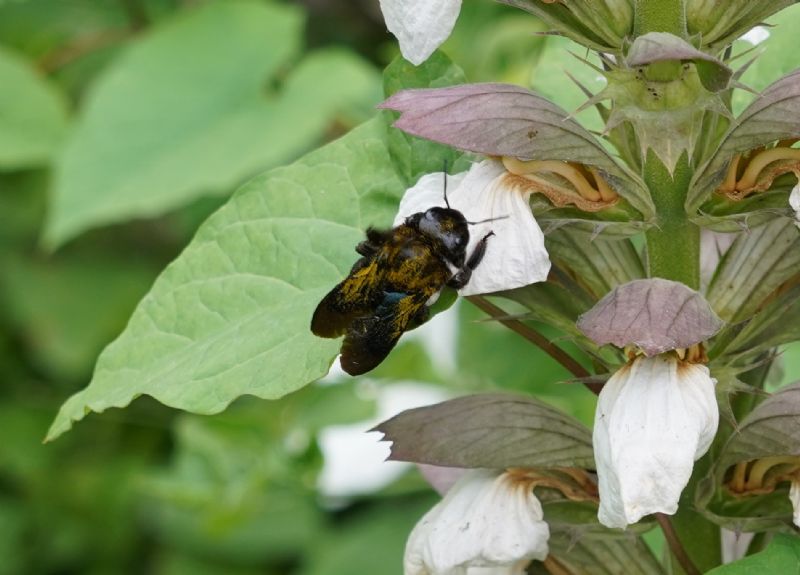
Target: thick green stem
x=673, y=244
x=659, y=16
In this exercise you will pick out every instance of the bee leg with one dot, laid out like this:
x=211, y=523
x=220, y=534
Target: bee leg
x=374, y=242
x=367, y=249
x=462, y=276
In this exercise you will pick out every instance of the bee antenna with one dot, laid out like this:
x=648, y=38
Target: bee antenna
x=444, y=174
x=489, y=220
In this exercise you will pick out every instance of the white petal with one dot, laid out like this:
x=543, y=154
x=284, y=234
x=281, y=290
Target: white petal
x=654, y=418
x=420, y=25
x=515, y=255
x=486, y=521
x=794, y=201
x=794, y=497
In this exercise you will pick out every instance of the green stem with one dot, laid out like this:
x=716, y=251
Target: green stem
x=673, y=244
x=659, y=16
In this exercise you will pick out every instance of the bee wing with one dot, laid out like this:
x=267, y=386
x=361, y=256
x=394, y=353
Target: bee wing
x=354, y=297
x=370, y=338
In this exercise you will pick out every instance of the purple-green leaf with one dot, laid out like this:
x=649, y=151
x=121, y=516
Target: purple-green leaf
x=490, y=430
x=654, y=314
x=508, y=120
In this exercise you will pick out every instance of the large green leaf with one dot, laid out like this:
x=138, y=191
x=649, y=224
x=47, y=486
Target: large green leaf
x=65, y=329
x=230, y=316
x=33, y=115
x=194, y=108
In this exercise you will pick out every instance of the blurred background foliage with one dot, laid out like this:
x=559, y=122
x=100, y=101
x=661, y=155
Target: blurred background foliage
x=123, y=125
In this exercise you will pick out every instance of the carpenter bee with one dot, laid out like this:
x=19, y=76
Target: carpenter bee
x=389, y=289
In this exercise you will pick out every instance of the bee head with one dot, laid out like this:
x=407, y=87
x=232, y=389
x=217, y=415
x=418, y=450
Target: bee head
x=445, y=226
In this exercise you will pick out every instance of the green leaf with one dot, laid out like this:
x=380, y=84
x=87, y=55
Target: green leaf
x=782, y=556
x=599, y=265
x=193, y=109
x=554, y=305
x=531, y=372
x=65, y=329
x=368, y=541
x=757, y=263
x=772, y=428
x=560, y=306
x=489, y=430
x=22, y=207
x=415, y=156
x=777, y=323
x=238, y=488
x=603, y=555
x=13, y=526
x=611, y=20
x=33, y=115
x=230, y=316
x=718, y=24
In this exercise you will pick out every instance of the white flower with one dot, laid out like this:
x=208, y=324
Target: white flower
x=794, y=201
x=515, y=255
x=420, y=25
x=655, y=418
x=487, y=524
x=794, y=497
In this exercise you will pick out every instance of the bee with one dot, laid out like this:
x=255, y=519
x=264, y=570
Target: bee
x=399, y=276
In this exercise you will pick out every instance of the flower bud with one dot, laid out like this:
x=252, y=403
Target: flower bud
x=420, y=26
x=486, y=524
x=654, y=418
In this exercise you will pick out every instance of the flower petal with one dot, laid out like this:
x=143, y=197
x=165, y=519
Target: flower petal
x=794, y=201
x=420, y=25
x=485, y=521
x=794, y=497
x=515, y=255
x=654, y=418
